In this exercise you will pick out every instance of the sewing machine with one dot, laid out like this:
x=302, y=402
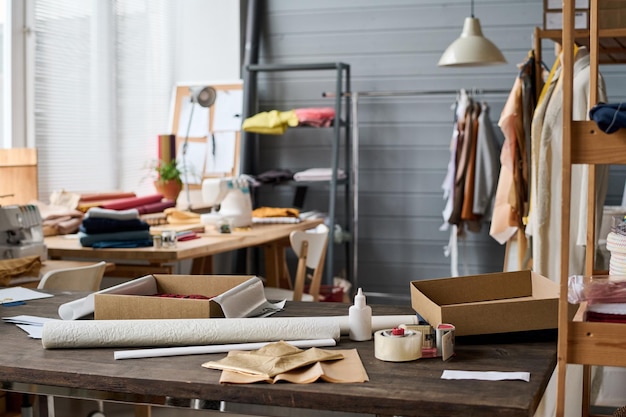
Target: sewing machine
x=21, y=233
x=232, y=195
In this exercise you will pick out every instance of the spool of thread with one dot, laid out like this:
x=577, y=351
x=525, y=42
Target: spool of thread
x=402, y=346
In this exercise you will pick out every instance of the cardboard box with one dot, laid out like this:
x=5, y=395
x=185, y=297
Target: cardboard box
x=489, y=303
x=122, y=306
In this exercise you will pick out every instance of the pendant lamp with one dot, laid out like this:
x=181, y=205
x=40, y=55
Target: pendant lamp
x=471, y=49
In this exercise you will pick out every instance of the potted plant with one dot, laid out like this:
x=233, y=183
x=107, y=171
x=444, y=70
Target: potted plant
x=168, y=182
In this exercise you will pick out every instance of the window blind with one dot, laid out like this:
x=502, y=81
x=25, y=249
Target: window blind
x=103, y=77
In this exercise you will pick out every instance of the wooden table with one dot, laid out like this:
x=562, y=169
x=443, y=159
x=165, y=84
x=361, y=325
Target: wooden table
x=135, y=262
x=407, y=389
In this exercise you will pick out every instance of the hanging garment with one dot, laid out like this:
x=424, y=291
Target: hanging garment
x=545, y=215
x=487, y=166
x=609, y=117
x=505, y=203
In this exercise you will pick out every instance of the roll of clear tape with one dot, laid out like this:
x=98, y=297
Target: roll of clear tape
x=397, y=348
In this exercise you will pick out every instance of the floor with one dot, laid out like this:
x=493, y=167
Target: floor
x=78, y=408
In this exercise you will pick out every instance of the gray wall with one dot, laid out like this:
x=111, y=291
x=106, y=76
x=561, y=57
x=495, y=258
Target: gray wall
x=404, y=141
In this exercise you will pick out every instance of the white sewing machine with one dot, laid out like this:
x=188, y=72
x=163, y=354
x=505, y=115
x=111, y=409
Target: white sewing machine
x=233, y=197
x=21, y=233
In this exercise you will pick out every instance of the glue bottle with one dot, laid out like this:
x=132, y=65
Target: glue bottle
x=360, y=318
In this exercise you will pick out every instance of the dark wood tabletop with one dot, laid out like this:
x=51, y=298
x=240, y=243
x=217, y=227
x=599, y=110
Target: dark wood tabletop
x=408, y=388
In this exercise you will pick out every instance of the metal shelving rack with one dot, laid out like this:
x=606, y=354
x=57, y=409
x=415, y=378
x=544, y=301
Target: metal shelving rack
x=341, y=137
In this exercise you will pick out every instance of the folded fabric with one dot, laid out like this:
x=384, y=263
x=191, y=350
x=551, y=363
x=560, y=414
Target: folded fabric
x=270, y=123
x=94, y=225
x=274, y=176
x=141, y=243
x=316, y=116
x=156, y=207
x=318, y=174
x=58, y=219
x=112, y=214
x=132, y=202
x=175, y=216
x=88, y=240
x=275, y=212
x=609, y=117
x=18, y=267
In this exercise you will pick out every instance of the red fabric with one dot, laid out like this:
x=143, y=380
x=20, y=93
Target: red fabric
x=156, y=207
x=132, y=202
x=604, y=317
x=316, y=116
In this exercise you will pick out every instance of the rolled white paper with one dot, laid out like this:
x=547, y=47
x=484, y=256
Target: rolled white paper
x=184, y=332
x=199, y=350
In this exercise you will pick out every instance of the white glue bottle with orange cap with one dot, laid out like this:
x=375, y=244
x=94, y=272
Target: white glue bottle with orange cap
x=360, y=318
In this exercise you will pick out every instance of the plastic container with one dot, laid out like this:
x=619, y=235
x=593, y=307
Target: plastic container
x=360, y=318
x=596, y=289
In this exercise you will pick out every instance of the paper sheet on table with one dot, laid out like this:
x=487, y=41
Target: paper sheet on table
x=34, y=331
x=83, y=306
x=14, y=294
x=350, y=369
x=486, y=376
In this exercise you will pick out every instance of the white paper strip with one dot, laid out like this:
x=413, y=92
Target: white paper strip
x=379, y=322
x=486, y=376
x=184, y=332
x=199, y=350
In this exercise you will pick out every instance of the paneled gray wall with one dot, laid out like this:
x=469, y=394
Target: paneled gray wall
x=404, y=141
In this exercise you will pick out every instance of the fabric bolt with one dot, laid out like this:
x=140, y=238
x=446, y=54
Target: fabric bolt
x=609, y=117
x=132, y=202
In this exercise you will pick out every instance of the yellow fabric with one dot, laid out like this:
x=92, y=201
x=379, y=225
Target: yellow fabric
x=271, y=123
x=14, y=268
x=175, y=216
x=275, y=212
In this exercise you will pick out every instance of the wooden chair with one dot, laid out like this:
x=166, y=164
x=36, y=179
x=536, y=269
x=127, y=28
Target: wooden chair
x=310, y=247
x=82, y=278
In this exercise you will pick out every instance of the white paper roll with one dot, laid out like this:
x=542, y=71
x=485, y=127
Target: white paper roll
x=379, y=322
x=390, y=348
x=184, y=332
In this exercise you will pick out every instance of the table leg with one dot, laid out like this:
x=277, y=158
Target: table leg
x=202, y=266
x=142, y=410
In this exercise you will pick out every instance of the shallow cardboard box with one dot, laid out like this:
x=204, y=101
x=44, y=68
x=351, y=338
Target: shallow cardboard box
x=119, y=306
x=489, y=303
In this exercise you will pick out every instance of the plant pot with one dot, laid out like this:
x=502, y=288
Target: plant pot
x=168, y=188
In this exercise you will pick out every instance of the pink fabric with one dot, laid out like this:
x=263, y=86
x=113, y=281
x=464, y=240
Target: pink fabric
x=132, y=202
x=316, y=116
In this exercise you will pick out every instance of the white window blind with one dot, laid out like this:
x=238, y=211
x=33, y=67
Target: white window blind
x=103, y=77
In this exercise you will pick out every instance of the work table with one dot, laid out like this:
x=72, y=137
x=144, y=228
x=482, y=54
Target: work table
x=408, y=388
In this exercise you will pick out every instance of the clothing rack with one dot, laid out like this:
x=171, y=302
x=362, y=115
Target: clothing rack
x=354, y=99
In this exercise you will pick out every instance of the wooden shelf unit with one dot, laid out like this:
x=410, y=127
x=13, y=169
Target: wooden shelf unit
x=586, y=343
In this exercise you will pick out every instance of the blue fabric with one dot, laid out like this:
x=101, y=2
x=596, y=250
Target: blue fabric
x=123, y=244
x=94, y=225
x=89, y=240
x=609, y=117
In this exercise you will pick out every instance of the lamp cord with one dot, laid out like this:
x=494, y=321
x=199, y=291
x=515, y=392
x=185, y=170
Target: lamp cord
x=185, y=169
x=472, y=5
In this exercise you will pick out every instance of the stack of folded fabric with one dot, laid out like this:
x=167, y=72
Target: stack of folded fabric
x=105, y=228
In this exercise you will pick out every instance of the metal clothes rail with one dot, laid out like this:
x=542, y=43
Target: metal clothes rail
x=354, y=100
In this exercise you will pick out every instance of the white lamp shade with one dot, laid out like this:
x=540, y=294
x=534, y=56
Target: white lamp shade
x=471, y=49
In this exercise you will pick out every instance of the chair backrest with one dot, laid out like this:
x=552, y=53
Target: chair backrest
x=310, y=247
x=83, y=278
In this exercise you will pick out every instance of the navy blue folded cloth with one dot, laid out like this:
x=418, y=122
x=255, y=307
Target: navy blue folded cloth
x=609, y=117
x=95, y=225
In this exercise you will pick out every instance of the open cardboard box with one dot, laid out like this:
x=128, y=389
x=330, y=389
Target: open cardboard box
x=126, y=306
x=489, y=303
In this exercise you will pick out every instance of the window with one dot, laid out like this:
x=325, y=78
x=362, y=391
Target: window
x=103, y=77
